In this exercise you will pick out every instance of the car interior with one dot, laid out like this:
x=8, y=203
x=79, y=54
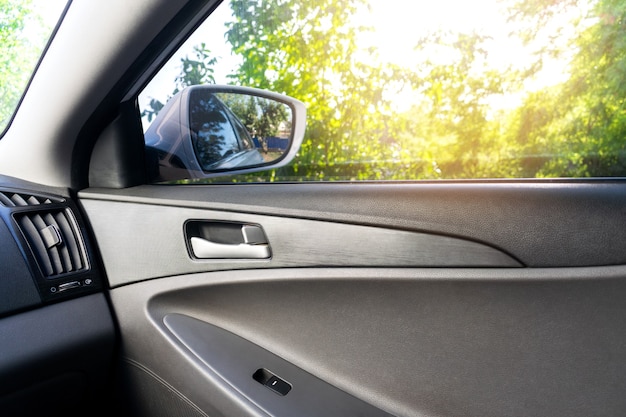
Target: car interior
x=418, y=298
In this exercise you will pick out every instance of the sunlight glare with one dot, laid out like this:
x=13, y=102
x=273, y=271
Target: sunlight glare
x=398, y=27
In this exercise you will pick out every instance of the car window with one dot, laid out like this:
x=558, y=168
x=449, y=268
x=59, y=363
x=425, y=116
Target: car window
x=25, y=27
x=245, y=141
x=425, y=90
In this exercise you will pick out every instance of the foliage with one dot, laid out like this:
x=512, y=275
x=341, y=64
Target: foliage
x=581, y=123
x=197, y=69
x=262, y=117
x=575, y=128
x=308, y=50
x=452, y=127
x=17, y=54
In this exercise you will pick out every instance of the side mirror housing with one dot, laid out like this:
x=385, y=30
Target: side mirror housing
x=206, y=131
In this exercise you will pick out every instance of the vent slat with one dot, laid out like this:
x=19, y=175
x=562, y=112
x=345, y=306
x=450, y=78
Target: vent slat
x=75, y=245
x=69, y=251
x=55, y=260
x=54, y=240
x=18, y=200
x=37, y=245
x=6, y=201
x=13, y=199
x=55, y=252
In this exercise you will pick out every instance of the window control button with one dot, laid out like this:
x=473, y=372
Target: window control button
x=278, y=385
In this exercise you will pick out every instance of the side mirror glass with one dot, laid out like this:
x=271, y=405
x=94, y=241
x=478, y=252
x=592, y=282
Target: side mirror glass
x=206, y=131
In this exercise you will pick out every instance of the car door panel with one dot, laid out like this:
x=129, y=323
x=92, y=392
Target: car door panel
x=231, y=357
x=408, y=341
x=294, y=242
x=539, y=223
x=381, y=331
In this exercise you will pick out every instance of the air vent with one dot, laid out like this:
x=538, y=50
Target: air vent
x=12, y=199
x=54, y=239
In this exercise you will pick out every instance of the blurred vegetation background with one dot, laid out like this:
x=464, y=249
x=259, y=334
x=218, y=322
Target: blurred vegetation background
x=355, y=128
x=576, y=128
x=20, y=50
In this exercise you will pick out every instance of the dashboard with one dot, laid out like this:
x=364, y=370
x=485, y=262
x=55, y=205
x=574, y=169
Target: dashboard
x=57, y=333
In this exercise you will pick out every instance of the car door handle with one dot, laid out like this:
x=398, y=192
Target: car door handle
x=205, y=249
x=226, y=240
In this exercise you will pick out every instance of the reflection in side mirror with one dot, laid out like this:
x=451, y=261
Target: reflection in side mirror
x=206, y=131
x=233, y=130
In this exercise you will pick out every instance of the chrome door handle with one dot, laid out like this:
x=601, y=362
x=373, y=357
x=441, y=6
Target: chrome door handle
x=205, y=249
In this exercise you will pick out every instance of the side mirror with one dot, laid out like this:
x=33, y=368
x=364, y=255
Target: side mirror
x=206, y=131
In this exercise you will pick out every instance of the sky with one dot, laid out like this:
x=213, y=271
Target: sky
x=212, y=33
x=49, y=10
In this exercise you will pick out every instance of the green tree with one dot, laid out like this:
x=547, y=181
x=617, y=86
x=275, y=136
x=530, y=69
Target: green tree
x=453, y=129
x=262, y=117
x=195, y=70
x=308, y=50
x=18, y=54
x=581, y=123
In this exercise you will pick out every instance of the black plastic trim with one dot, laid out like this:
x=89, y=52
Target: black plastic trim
x=30, y=270
x=67, y=343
